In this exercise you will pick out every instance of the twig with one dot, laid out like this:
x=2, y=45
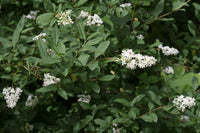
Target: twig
x=161, y=16
x=153, y=110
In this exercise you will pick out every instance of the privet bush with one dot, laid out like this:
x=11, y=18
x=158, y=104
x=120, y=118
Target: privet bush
x=111, y=66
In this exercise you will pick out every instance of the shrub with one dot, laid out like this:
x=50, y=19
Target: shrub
x=99, y=66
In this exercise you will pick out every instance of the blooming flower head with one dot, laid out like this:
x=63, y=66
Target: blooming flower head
x=125, y=5
x=84, y=98
x=11, y=96
x=31, y=15
x=92, y=20
x=31, y=101
x=181, y=102
x=41, y=35
x=64, y=18
x=83, y=14
x=116, y=129
x=140, y=36
x=169, y=70
x=132, y=60
x=48, y=80
x=184, y=118
x=166, y=50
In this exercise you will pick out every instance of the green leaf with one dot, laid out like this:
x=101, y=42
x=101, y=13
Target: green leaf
x=137, y=99
x=5, y=42
x=107, y=78
x=196, y=6
x=65, y=72
x=49, y=61
x=182, y=82
x=42, y=48
x=102, y=123
x=55, y=34
x=101, y=48
x=159, y=8
x=92, y=66
x=151, y=117
x=177, y=4
x=88, y=48
x=33, y=59
x=81, y=2
x=122, y=101
x=195, y=83
x=45, y=18
x=192, y=27
x=81, y=30
x=62, y=93
x=48, y=88
x=94, y=41
x=83, y=58
x=96, y=88
x=17, y=31
x=107, y=20
x=154, y=97
x=132, y=114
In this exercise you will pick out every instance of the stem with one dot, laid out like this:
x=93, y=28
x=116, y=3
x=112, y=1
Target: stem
x=133, y=14
x=161, y=16
x=153, y=110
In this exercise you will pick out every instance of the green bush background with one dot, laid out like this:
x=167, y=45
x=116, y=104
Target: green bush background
x=139, y=101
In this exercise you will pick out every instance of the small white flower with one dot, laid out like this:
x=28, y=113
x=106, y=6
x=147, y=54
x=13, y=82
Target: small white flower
x=11, y=96
x=181, y=102
x=125, y=5
x=140, y=36
x=92, y=20
x=48, y=79
x=31, y=101
x=41, y=35
x=166, y=50
x=83, y=14
x=84, y=98
x=169, y=70
x=51, y=52
x=184, y=118
x=64, y=18
x=31, y=15
x=116, y=129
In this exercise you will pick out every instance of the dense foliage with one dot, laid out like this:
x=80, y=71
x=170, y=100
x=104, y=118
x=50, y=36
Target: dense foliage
x=116, y=66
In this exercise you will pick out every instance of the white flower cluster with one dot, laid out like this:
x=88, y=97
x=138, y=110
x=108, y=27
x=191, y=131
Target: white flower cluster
x=84, y=98
x=92, y=20
x=169, y=70
x=31, y=15
x=31, y=101
x=51, y=52
x=64, y=17
x=41, y=35
x=166, y=50
x=132, y=60
x=115, y=129
x=11, y=96
x=125, y=5
x=184, y=118
x=48, y=79
x=83, y=14
x=182, y=102
x=140, y=36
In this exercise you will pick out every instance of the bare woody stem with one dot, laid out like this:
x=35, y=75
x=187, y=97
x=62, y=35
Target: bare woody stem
x=161, y=107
